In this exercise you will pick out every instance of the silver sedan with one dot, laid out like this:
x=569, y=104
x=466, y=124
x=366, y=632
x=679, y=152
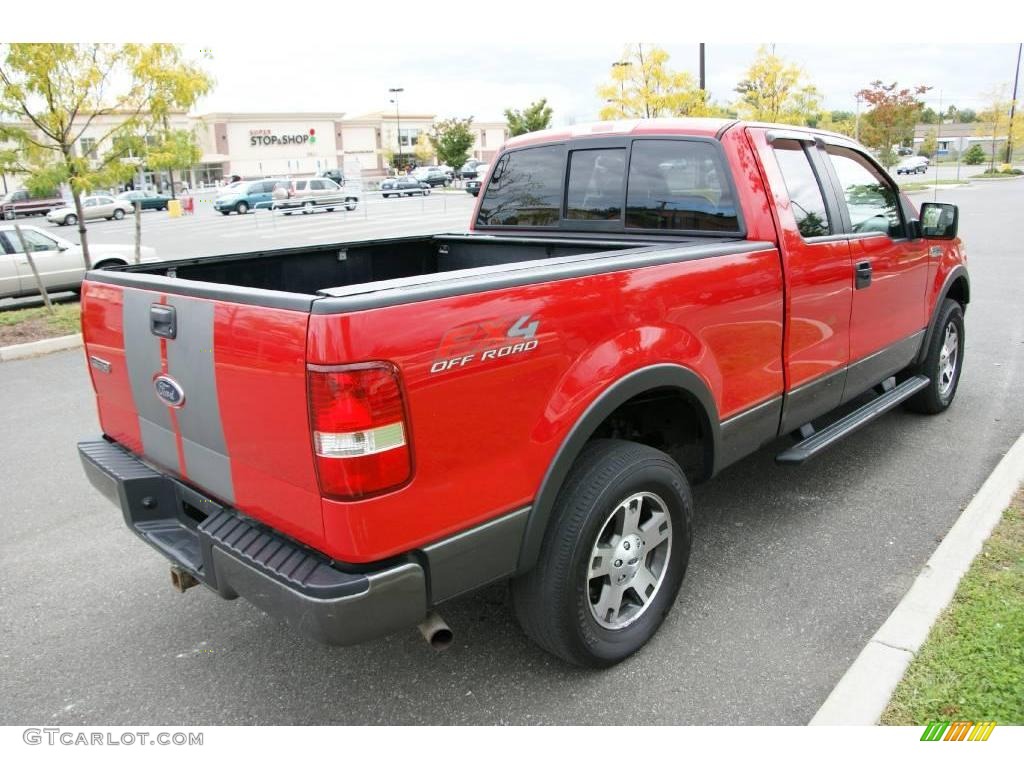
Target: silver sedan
x=93, y=207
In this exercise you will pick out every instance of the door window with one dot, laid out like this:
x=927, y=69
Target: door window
x=872, y=202
x=316, y=185
x=36, y=241
x=806, y=200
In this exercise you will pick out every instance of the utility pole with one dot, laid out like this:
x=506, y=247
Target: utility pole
x=703, y=81
x=398, y=120
x=1013, y=108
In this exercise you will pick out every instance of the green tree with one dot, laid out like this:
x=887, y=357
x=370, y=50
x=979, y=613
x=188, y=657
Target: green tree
x=535, y=117
x=643, y=85
x=173, y=150
x=995, y=121
x=52, y=94
x=930, y=143
x=452, y=139
x=839, y=121
x=776, y=91
x=423, y=150
x=974, y=155
x=890, y=121
x=930, y=117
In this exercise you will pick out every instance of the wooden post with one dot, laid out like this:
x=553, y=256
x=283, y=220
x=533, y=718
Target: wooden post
x=138, y=231
x=32, y=264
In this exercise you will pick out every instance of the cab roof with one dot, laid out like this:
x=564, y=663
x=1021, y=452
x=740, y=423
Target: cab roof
x=683, y=126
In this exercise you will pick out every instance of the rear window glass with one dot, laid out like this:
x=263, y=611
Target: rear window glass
x=595, y=184
x=678, y=185
x=525, y=189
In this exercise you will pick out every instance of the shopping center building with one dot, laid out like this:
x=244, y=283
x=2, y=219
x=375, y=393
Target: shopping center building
x=259, y=144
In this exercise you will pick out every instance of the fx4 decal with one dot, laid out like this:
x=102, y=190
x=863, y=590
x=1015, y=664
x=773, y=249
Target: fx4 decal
x=485, y=340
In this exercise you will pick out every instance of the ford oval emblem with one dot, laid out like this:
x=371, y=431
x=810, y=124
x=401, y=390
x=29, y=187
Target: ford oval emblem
x=170, y=391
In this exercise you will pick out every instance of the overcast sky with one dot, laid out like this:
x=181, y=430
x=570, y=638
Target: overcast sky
x=481, y=79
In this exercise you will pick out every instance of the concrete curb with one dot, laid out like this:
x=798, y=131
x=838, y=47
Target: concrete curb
x=41, y=347
x=864, y=691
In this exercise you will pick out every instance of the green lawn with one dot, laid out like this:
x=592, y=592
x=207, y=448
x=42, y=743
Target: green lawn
x=17, y=325
x=972, y=665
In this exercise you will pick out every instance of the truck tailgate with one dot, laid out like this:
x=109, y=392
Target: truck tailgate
x=210, y=391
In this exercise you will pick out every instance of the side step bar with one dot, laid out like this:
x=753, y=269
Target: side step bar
x=819, y=441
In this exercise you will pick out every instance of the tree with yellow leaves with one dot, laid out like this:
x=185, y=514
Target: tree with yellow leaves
x=643, y=85
x=777, y=91
x=51, y=93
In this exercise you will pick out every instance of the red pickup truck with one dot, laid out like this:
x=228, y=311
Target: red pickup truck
x=350, y=435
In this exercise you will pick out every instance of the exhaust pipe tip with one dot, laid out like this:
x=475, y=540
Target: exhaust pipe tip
x=436, y=632
x=181, y=579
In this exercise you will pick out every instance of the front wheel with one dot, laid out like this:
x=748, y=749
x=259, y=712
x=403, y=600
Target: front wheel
x=613, y=557
x=943, y=361
x=242, y=208
x=70, y=220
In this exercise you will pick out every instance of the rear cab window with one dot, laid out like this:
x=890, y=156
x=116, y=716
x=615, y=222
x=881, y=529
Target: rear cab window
x=672, y=185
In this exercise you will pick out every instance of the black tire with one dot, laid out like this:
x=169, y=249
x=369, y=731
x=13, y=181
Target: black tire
x=118, y=214
x=10, y=215
x=426, y=192
x=226, y=213
x=330, y=210
x=110, y=263
x=307, y=207
x=70, y=220
x=242, y=208
x=553, y=602
x=939, y=394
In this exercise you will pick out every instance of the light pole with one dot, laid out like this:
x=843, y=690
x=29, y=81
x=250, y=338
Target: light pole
x=398, y=119
x=1013, y=107
x=622, y=86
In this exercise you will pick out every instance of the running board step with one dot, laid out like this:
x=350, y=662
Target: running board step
x=819, y=441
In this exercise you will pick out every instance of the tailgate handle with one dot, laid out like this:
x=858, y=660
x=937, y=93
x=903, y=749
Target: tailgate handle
x=163, y=321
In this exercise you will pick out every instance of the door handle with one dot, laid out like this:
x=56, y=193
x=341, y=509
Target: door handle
x=863, y=275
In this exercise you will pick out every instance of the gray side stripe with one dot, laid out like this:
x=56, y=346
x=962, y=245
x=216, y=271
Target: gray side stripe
x=190, y=360
x=142, y=352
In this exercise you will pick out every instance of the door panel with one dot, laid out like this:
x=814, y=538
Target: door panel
x=890, y=308
x=819, y=284
x=9, y=285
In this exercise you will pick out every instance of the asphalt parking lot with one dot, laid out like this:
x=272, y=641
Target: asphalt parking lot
x=793, y=569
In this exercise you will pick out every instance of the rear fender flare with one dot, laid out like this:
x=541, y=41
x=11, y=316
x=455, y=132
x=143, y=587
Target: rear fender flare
x=662, y=376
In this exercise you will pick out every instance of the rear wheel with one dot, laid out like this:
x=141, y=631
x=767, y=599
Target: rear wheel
x=613, y=557
x=943, y=361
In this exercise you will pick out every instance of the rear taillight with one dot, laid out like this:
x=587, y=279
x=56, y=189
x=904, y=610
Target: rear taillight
x=359, y=429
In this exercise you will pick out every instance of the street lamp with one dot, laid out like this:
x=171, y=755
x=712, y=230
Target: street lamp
x=622, y=86
x=398, y=119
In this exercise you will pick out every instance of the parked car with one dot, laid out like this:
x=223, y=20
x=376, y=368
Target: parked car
x=399, y=186
x=448, y=171
x=151, y=201
x=468, y=171
x=910, y=165
x=432, y=175
x=242, y=196
x=60, y=262
x=310, y=194
x=21, y=202
x=531, y=400
x=334, y=174
x=93, y=207
x=473, y=185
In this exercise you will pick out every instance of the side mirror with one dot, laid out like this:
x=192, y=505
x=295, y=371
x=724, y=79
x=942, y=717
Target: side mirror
x=939, y=221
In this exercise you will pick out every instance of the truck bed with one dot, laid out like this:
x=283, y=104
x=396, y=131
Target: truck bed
x=347, y=269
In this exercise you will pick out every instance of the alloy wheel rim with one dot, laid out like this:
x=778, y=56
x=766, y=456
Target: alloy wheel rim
x=949, y=356
x=628, y=560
